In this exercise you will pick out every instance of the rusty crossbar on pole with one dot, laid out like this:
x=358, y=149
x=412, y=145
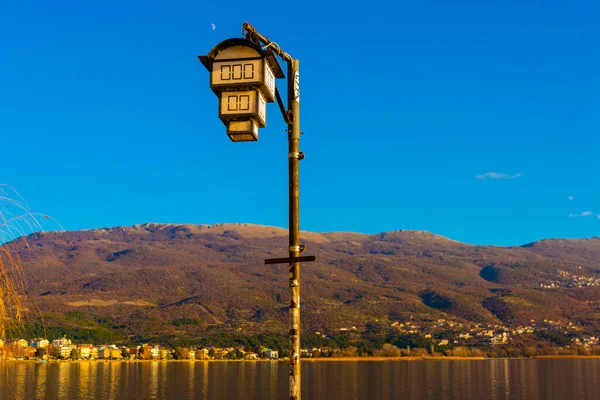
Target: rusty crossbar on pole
x=290, y=260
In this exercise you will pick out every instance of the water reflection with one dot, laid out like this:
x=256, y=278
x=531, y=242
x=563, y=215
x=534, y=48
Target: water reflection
x=39, y=375
x=63, y=380
x=205, y=380
x=402, y=380
x=191, y=378
x=85, y=381
x=273, y=369
x=115, y=374
x=153, y=379
x=20, y=380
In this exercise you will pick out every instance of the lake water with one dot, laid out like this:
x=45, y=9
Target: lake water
x=560, y=379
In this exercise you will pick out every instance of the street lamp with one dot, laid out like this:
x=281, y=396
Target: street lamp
x=242, y=74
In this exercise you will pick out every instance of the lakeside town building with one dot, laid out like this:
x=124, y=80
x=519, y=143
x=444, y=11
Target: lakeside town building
x=441, y=333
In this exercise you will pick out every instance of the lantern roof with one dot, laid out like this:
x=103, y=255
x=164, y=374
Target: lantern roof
x=267, y=54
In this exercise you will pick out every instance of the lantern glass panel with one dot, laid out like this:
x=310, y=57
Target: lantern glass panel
x=262, y=110
x=269, y=81
x=246, y=130
x=236, y=73
x=243, y=105
x=235, y=103
x=243, y=138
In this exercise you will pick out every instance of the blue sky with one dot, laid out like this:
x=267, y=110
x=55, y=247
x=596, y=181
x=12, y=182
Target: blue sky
x=475, y=120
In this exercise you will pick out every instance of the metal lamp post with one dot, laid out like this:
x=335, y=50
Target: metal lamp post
x=242, y=74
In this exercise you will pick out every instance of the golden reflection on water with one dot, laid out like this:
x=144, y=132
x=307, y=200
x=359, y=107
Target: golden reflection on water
x=493, y=381
x=273, y=376
x=163, y=380
x=404, y=380
x=105, y=387
x=153, y=379
x=126, y=370
x=506, y=379
x=84, y=379
x=191, y=379
x=41, y=371
x=21, y=373
x=205, y=380
x=63, y=380
x=237, y=379
x=115, y=384
x=252, y=367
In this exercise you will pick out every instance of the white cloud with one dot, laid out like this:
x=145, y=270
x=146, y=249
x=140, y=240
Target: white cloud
x=585, y=214
x=497, y=175
x=571, y=198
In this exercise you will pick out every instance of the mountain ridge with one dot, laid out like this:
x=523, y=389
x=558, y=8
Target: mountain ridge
x=147, y=225
x=144, y=277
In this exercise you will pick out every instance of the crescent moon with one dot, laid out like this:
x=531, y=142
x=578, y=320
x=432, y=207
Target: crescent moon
x=213, y=26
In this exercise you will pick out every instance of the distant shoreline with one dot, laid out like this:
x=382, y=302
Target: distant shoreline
x=327, y=359
x=441, y=358
x=406, y=358
x=551, y=356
